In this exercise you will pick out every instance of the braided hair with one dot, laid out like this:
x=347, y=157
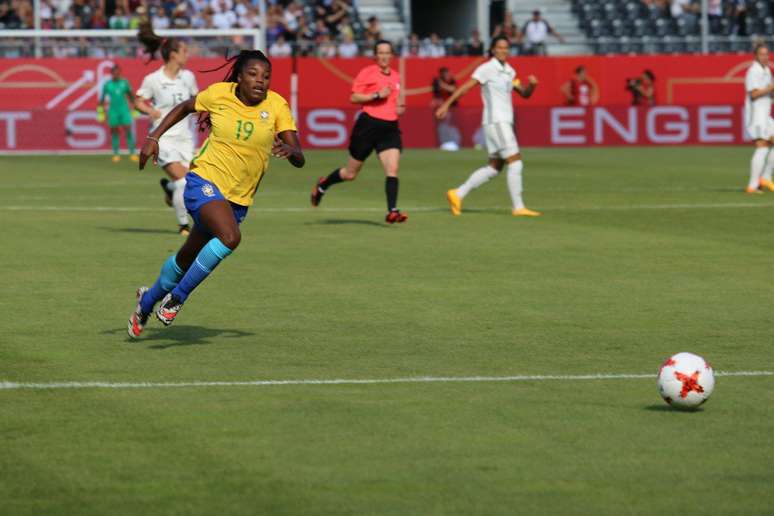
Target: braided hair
x=154, y=43
x=237, y=63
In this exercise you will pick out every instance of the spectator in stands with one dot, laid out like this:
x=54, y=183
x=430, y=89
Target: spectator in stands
x=475, y=45
x=456, y=47
x=325, y=46
x=642, y=89
x=432, y=47
x=412, y=46
x=535, y=33
x=373, y=31
x=448, y=134
x=274, y=24
x=738, y=13
x=280, y=48
x=46, y=15
x=348, y=47
x=221, y=5
x=292, y=16
x=98, y=21
x=119, y=20
x=180, y=18
x=580, y=90
x=224, y=17
x=251, y=19
x=305, y=37
x=686, y=10
x=159, y=18
x=9, y=19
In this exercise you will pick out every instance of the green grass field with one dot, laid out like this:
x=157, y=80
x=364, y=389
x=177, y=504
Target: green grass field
x=641, y=253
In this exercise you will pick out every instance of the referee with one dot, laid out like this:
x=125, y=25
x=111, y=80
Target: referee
x=377, y=89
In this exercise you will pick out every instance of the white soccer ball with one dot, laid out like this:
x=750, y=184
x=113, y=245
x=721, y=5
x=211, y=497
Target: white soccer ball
x=685, y=380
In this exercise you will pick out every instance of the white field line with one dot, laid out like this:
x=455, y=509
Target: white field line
x=631, y=207
x=342, y=381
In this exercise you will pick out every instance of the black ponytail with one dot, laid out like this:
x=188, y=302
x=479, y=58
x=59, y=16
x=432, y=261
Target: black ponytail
x=154, y=43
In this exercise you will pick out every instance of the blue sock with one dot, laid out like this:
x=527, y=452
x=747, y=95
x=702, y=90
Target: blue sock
x=168, y=279
x=206, y=261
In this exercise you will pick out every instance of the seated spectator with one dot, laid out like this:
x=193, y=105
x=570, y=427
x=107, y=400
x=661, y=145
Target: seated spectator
x=98, y=21
x=250, y=20
x=475, y=45
x=218, y=6
x=433, y=47
x=411, y=48
x=159, y=18
x=348, y=47
x=373, y=30
x=280, y=48
x=345, y=27
x=224, y=17
x=46, y=15
x=304, y=37
x=203, y=20
x=456, y=47
x=119, y=20
x=325, y=47
x=9, y=19
x=180, y=18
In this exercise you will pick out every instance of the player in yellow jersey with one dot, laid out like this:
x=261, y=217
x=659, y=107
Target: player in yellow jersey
x=248, y=124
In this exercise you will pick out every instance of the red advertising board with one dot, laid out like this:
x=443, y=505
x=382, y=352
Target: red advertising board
x=49, y=104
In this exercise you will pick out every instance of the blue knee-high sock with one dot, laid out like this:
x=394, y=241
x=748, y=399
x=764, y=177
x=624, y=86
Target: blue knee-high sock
x=168, y=279
x=206, y=261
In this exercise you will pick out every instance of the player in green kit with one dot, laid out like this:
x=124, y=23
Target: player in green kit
x=119, y=113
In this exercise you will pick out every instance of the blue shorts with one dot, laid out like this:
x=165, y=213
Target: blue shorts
x=199, y=192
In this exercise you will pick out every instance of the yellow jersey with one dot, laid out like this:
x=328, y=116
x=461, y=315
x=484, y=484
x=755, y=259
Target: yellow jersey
x=235, y=155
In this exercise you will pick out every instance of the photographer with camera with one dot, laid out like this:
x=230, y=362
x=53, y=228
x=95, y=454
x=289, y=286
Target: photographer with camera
x=643, y=89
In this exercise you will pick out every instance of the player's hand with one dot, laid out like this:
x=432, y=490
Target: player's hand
x=149, y=149
x=441, y=112
x=532, y=80
x=401, y=109
x=385, y=92
x=281, y=149
x=100, y=114
x=155, y=114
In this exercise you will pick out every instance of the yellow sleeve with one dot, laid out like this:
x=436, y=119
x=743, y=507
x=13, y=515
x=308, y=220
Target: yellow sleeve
x=205, y=100
x=284, y=119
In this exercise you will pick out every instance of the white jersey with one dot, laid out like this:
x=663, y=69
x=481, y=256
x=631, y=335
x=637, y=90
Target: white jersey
x=758, y=111
x=496, y=81
x=166, y=93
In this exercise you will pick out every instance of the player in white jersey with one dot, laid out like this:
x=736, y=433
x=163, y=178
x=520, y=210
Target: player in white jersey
x=758, y=88
x=498, y=80
x=159, y=93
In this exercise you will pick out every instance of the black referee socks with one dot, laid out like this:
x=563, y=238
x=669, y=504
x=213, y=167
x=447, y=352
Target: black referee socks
x=333, y=178
x=391, y=189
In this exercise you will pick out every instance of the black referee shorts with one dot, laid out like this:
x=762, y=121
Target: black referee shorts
x=371, y=133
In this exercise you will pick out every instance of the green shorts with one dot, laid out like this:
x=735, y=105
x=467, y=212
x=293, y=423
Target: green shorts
x=119, y=117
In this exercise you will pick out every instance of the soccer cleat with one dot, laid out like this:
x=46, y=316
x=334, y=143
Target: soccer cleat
x=116, y=158
x=164, y=182
x=765, y=184
x=455, y=203
x=395, y=216
x=134, y=157
x=751, y=190
x=316, y=196
x=168, y=309
x=184, y=230
x=525, y=212
x=138, y=320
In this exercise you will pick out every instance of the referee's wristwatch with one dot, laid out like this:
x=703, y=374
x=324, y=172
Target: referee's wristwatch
x=376, y=96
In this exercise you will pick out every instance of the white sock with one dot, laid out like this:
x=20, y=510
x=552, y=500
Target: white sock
x=769, y=168
x=476, y=179
x=178, y=203
x=757, y=164
x=514, y=184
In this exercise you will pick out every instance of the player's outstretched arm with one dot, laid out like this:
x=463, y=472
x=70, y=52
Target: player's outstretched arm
x=440, y=113
x=526, y=92
x=287, y=146
x=151, y=146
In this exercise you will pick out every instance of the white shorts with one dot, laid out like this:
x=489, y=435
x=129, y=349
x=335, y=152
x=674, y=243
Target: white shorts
x=762, y=129
x=173, y=150
x=500, y=140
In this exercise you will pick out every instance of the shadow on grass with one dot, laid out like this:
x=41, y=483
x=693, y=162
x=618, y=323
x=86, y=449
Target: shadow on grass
x=346, y=222
x=141, y=230
x=663, y=407
x=182, y=335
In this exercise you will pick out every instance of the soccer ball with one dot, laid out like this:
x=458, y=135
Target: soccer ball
x=685, y=380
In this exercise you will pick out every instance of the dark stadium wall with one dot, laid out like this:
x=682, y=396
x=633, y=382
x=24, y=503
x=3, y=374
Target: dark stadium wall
x=443, y=17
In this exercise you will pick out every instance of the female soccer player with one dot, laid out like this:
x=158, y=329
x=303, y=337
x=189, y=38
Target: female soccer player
x=160, y=92
x=759, y=124
x=248, y=122
x=497, y=79
x=119, y=113
x=377, y=89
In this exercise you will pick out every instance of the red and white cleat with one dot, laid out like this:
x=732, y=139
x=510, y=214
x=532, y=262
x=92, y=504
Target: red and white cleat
x=396, y=217
x=168, y=309
x=138, y=320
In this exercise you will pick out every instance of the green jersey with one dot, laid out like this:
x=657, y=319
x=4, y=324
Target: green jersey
x=116, y=91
